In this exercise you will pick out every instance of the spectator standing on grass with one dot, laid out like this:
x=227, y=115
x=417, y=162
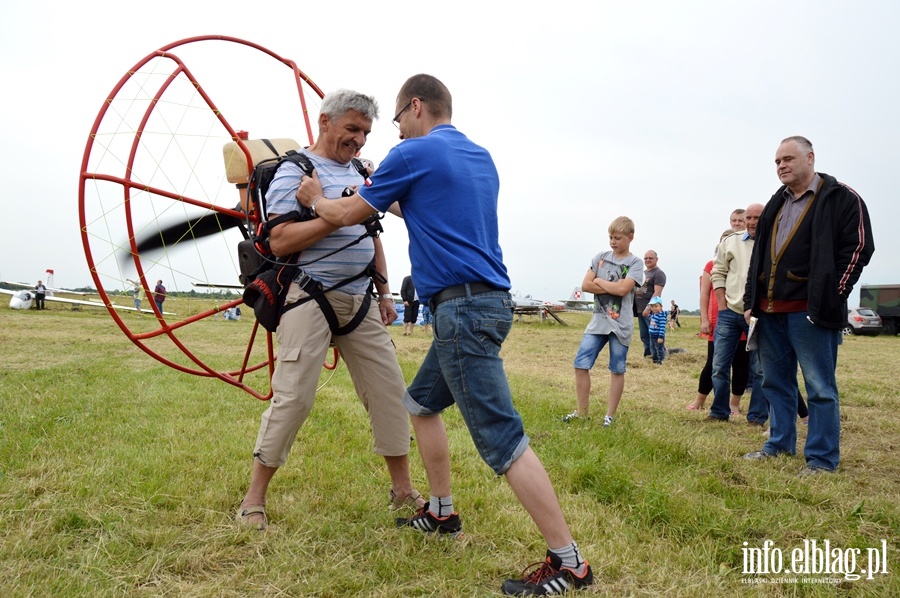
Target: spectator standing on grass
x=410, y=305
x=814, y=239
x=674, y=312
x=40, y=292
x=657, y=331
x=159, y=295
x=447, y=187
x=612, y=278
x=426, y=318
x=740, y=362
x=654, y=282
x=729, y=278
x=136, y=292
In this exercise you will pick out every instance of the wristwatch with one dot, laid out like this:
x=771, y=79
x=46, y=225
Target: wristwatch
x=386, y=297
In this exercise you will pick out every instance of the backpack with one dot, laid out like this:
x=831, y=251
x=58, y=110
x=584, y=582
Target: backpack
x=267, y=279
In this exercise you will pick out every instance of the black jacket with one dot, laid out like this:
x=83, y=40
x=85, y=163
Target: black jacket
x=408, y=290
x=840, y=247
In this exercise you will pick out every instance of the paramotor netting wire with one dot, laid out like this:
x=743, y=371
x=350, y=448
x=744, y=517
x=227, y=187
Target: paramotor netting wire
x=172, y=139
x=299, y=77
x=214, y=210
x=129, y=185
x=153, y=101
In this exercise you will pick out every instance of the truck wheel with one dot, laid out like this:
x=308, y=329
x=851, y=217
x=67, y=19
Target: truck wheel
x=889, y=327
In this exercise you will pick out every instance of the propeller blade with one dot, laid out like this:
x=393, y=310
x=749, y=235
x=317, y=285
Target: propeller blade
x=204, y=226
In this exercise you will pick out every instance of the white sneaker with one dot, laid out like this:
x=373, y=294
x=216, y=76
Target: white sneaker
x=607, y=421
x=571, y=417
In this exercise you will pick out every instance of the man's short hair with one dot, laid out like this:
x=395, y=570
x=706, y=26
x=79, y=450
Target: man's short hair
x=337, y=103
x=804, y=143
x=431, y=91
x=738, y=211
x=623, y=225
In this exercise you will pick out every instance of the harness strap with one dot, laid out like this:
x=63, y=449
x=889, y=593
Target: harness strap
x=270, y=146
x=316, y=292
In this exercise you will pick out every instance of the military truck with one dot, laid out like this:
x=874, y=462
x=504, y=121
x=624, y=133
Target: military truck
x=883, y=299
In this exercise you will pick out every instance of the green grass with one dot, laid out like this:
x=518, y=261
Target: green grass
x=120, y=476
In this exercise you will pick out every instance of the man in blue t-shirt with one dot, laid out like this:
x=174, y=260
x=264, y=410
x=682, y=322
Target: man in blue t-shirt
x=446, y=189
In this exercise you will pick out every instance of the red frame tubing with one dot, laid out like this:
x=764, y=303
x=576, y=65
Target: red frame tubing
x=236, y=377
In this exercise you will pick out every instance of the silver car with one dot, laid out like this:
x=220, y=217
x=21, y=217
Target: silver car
x=862, y=320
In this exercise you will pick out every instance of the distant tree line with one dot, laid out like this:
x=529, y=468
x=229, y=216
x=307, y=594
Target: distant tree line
x=192, y=294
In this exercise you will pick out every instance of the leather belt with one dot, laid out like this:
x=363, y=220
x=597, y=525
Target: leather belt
x=783, y=306
x=457, y=291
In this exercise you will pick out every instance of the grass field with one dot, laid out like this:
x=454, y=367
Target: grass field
x=120, y=477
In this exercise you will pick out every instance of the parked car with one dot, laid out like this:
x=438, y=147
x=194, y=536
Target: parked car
x=883, y=299
x=862, y=320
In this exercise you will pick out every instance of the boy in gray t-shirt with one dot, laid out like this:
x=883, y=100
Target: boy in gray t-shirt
x=612, y=279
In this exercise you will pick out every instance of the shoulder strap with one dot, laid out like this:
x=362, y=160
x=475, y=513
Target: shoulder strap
x=300, y=159
x=360, y=168
x=270, y=146
x=290, y=216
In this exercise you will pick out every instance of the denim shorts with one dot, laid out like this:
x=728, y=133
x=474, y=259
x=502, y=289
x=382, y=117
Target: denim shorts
x=463, y=367
x=591, y=344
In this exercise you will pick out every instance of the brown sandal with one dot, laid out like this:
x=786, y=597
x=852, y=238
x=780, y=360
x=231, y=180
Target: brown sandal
x=244, y=514
x=414, y=500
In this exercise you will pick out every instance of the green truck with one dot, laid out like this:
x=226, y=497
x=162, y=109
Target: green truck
x=883, y=299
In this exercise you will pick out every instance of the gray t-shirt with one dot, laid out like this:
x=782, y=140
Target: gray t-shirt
x=644, y=294
x=614, y=314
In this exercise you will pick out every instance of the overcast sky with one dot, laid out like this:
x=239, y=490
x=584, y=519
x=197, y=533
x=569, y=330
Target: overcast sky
x=667, y=112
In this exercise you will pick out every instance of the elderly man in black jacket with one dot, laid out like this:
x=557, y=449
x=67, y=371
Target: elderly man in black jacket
x=813, y=240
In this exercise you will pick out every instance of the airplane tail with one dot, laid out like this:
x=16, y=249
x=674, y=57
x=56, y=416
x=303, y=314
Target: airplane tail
x=576, y=294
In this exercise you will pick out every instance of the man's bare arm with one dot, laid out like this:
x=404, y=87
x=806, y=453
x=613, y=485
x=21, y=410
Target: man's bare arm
x=343, y=211
x=288, y=237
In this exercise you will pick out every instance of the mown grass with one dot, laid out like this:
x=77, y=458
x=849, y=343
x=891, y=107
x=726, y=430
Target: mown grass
x=120, y=476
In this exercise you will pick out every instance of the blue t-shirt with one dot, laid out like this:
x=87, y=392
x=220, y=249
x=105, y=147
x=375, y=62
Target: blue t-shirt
x=335, y=177
x=447, y=188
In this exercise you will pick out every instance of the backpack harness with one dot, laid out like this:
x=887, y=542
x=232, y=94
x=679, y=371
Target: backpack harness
x=267, y=280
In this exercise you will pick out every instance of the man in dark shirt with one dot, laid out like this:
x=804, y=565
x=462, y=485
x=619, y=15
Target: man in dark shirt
x=654, y=281
x=813, y=240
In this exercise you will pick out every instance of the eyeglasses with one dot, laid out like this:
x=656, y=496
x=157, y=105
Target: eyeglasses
x=649, y=259
x=396, y=119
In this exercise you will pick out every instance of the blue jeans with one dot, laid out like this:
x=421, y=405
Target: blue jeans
x=729, y=328
x=784, y=341
x=657, y=349
x=463, y=367
x=758, y=410
x=644, y=325
x=592, y=344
